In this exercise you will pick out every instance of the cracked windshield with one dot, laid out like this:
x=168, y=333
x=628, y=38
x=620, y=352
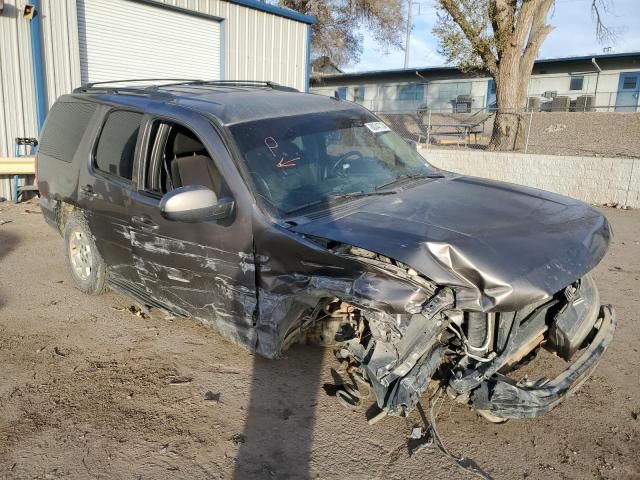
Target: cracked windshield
x=311, y=160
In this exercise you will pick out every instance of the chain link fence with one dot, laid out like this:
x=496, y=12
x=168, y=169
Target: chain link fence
x=592, y=131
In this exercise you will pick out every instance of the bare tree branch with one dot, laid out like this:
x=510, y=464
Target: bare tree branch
x=603, y=33
x=337, y=32
x=481, y=46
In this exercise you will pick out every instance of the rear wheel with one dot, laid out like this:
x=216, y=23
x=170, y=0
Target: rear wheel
x=85, y=263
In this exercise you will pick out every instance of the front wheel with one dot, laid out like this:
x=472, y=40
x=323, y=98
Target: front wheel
x=85, y=263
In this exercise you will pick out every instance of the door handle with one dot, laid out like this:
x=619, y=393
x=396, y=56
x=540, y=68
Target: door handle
x=88, y=191
x=145, y=223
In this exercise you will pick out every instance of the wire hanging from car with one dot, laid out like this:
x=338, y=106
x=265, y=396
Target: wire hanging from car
x=429, y=421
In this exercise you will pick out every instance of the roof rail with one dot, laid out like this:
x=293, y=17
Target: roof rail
x=233, y=83
x=111, y=85
x=131, y=80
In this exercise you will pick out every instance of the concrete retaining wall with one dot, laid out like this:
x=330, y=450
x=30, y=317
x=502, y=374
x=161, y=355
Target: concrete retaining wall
x=595, y=180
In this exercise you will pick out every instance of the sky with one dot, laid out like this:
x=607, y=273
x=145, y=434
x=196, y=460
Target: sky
x=574, y=34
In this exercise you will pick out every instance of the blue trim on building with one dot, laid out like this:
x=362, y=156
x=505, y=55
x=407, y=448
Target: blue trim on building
x=281, y=12
x=589, y=57
x=38, y=65
x=445, y=68
x=223, y=50
x=308, y=69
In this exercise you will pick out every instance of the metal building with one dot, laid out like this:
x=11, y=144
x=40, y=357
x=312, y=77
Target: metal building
x=608, y=82
x=50, y=47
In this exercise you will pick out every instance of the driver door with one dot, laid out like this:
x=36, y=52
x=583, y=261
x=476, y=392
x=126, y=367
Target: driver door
x=200, y=269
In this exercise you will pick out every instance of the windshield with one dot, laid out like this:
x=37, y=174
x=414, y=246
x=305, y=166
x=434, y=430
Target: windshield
x=299, y=161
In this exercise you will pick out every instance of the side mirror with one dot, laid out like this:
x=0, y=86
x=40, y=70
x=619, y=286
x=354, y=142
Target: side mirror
x=195, y=203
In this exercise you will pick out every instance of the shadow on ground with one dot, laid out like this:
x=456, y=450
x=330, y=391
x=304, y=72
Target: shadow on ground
x=8, y=242
x=278, y=433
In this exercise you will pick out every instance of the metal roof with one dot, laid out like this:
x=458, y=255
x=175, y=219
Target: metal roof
x=445, y=68
x=276, y=10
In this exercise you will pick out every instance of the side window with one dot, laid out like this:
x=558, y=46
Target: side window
x=178, y=158
x=66, y=124
x=117, y=143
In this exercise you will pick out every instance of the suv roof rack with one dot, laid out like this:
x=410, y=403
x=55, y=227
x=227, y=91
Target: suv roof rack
x=155, y=88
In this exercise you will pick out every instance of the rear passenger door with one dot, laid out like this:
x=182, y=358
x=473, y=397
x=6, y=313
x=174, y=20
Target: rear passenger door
x=201, y=269
x=105, y=192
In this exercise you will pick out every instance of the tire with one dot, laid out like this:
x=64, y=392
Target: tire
x=85, y=264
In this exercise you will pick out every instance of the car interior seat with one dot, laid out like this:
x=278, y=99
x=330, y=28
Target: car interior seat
x=192, y=165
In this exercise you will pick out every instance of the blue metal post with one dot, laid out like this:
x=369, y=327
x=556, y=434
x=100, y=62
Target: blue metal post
x=38, y=64
x=14, y=189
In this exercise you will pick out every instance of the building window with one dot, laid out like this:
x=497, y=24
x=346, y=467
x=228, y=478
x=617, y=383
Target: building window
x=341, y=93
x=412, y=91
x=629, y=83
x=576, y=83
x=358, y=94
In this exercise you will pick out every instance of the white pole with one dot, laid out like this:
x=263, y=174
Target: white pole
x=526, y=145
x=408, y=41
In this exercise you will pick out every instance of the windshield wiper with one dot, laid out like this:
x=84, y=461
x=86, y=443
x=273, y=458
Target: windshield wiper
x=341, y=196
x=410, y=176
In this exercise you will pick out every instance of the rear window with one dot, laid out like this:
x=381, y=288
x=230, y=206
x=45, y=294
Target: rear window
x=117, y=143
x=65, y=127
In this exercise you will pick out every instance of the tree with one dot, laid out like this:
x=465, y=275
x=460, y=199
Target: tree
x=503, y=38
x=336, y=33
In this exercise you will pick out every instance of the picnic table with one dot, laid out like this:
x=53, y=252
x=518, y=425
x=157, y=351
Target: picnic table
x=461, y=130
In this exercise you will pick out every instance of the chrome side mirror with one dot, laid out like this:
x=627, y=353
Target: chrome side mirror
x=195, y=203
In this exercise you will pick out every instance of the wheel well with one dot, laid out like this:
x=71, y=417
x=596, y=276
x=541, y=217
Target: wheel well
x=63, y=212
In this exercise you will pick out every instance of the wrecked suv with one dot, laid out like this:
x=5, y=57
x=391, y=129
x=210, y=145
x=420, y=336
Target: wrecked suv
x=277, y=217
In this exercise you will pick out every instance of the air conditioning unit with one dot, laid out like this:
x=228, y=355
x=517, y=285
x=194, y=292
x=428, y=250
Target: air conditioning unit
x=533, y=104
x=463, y=103
x=561, y=104
x=585, y=103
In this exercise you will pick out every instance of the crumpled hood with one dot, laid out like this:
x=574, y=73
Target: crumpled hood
x=502, y=246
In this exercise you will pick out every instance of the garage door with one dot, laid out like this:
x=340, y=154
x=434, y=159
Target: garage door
x=122, y=39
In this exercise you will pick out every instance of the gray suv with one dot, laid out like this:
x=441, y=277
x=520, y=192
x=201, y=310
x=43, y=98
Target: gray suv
x=278, y=217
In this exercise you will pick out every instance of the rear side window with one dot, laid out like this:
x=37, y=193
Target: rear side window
x=117, y=143
x=66, y=125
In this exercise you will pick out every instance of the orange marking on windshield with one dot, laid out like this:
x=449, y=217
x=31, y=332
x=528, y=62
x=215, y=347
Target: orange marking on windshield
x=287, y=163
x=272, y=145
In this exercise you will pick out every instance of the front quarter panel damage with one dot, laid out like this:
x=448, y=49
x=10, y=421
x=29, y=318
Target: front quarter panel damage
x=403, y=311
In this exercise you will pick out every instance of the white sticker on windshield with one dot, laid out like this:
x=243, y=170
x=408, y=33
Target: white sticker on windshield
x=377, y=127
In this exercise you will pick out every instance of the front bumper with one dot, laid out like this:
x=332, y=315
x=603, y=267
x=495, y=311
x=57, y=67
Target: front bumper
x=507, y=399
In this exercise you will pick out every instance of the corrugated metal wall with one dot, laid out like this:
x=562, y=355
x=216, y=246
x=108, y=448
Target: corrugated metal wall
x=258, y=46
x=17, y=103
x=60, y=45
x=151, y=41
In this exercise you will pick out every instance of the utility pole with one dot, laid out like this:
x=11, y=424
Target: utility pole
x=408, y=41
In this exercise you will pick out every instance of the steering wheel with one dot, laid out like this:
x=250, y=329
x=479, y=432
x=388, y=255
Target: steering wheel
x=340, y=172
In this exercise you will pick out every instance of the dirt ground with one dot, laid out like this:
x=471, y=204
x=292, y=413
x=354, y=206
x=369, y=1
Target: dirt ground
x=88, y=390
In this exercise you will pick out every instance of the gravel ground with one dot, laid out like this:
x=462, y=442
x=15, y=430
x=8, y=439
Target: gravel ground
x=89, y=390
x=587, y=134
